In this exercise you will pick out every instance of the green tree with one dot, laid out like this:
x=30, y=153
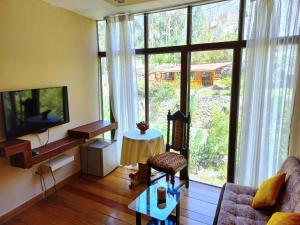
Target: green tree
x=212, y=154
x=216, y=147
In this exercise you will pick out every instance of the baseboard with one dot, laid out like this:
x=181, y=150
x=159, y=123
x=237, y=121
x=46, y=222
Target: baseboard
x=8, y=216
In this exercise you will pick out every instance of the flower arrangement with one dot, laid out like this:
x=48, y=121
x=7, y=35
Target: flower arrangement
x=142, y=126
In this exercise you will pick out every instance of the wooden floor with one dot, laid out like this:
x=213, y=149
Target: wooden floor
x=91, y=200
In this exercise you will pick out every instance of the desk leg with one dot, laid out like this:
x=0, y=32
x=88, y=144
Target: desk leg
x=178, y=214
x=138, y=218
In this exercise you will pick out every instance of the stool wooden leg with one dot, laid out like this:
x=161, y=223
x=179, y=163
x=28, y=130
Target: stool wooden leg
x=138, y=218
x=187, y=178
x=173, y=180
x=178, y=214
x=149, y=176
x=187, y=183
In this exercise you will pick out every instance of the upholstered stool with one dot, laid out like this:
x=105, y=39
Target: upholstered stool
x=168, y=162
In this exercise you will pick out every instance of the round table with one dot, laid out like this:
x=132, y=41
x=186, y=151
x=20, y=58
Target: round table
x=137, y=148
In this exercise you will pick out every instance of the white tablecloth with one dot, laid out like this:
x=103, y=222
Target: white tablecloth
x=137, y=148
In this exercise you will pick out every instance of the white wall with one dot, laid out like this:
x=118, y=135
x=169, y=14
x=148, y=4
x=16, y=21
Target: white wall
x=43, y=46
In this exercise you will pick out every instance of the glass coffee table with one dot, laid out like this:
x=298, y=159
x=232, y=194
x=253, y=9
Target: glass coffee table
x=146, y=203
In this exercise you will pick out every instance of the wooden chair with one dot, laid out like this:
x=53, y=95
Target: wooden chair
x=171, y=162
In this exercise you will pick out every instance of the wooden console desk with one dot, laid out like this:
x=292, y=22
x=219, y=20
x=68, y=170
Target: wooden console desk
x=92, y=129
x=20, y=151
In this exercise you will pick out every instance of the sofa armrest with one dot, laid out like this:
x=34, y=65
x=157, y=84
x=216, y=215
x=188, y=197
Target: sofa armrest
x=219, y=205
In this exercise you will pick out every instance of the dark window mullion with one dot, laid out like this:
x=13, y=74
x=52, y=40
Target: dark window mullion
x=146, y=40
x=217, y=46
x=189, y=25
x=241, y=20
x=234, y=108
x=234, y=103
x=192, y=47
x=184, y=90
x=188, y=54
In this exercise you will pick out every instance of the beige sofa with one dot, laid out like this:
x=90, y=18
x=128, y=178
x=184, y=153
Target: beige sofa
x=234, y=207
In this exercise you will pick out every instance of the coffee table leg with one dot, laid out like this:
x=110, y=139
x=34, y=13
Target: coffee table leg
x=178, y=214
x=138, y=218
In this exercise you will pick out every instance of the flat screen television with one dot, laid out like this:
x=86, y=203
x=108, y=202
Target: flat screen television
x=34, y=110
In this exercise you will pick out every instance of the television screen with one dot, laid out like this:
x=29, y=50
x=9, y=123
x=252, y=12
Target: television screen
x=35, y=110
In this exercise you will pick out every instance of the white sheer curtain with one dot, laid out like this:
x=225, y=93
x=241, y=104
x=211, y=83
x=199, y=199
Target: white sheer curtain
x=120, y=55
x=269, y=85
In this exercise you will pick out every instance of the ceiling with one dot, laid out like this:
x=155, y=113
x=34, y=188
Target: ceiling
x=126, y=2
x=97, y=9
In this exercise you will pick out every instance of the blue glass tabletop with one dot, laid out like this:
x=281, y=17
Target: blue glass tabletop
x=147, y=203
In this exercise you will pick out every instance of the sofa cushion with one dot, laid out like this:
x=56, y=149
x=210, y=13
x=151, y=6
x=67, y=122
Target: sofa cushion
x=280, y=218
x=236, y=207
x=268, y=191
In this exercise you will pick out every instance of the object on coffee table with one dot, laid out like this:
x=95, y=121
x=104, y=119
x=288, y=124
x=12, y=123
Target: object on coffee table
x=161, y=197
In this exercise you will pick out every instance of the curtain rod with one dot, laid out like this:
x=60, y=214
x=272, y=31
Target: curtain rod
x=161, y=9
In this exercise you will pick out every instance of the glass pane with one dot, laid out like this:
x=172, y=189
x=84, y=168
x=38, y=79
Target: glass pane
x=101, y=35
x=241, y=96
x=168, y=28
x=215, y=22
x=105, y=94
x=164, y=88
x=210, y=95
x=140, y=70
x=105, y=90
x=139, y=31
x=247, y=16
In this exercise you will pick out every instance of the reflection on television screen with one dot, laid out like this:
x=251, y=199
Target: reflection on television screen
x=35, y=110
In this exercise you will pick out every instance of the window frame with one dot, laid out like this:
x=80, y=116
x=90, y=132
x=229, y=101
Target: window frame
x=185, y=51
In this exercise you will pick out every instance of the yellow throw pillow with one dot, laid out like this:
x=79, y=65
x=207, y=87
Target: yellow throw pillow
x=284, y=218
x=268, y=191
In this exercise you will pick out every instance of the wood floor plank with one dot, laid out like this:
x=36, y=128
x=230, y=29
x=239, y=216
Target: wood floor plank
x=98, y=212
x=90, y=200
x=16, y=222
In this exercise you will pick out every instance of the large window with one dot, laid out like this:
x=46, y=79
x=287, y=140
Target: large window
x=190, y=60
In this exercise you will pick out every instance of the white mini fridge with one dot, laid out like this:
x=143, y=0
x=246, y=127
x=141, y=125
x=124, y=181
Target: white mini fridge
x=98, y=157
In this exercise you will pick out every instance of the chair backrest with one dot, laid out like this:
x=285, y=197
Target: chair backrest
x=179, y=140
